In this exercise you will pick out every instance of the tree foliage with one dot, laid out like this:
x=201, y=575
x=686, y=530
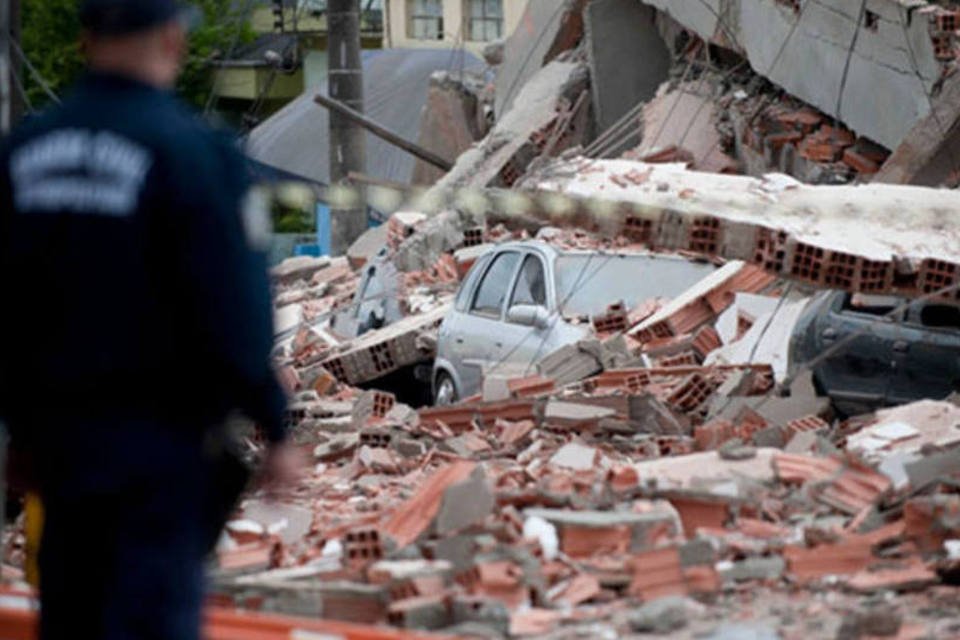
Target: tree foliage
x=51, y=41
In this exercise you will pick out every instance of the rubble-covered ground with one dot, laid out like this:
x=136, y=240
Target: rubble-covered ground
x=674, y=473
x=620, y=488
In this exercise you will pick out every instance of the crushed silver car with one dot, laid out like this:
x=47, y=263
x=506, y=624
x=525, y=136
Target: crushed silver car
x=516, y=305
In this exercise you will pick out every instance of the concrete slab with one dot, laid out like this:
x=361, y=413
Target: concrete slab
x=465, y=503
x=707, y=470
x=619, y=30
x=863, y=220
x=766, y=342
x=531, y=45
x=575, y=456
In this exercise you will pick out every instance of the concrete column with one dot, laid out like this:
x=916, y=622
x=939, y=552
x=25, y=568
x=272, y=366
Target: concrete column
x=6, y=69
x=347, y=139
x=454, y=24
x=512, y=14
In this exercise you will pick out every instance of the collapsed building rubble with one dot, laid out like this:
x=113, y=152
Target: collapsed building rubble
x=672, y=473
x=563, y=506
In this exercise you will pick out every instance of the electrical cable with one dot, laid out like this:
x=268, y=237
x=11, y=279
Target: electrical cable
x=676, y=102
x=841, y=344
x=771, y=68
x=18, y=83
x=575, y=288
x=846, y=64
x=508, y=96
x=37, y=77
x=607, y=134
x=239, y=20
x=614, y=129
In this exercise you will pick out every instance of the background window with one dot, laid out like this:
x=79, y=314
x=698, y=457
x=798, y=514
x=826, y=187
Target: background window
x=485, y=20
x=493, y=290
x=425, y=19
x=531, y=288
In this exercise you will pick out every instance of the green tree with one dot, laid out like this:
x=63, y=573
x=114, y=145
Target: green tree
x=51, y=41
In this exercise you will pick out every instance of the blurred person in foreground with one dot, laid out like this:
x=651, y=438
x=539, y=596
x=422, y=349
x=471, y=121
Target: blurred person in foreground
x=137, y=316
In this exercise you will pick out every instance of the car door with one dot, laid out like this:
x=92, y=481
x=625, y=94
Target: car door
x=926, y=353
x=858, y=375
x=478, y=331
x=521, y=344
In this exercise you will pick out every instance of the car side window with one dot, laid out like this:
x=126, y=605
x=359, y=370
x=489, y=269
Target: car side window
x=936, y=316
x=531, y=286
x=463, y=296
x=492, y=292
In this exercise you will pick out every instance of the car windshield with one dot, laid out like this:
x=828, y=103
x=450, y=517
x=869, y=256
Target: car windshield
x=587, y=283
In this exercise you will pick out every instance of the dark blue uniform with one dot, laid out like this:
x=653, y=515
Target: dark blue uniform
x=136, y=315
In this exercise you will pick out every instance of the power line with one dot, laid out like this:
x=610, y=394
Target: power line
x=846, y=64
x=34, y=73
x=18, y=81
x=673, y=109
x=561, y=6
x=771, y=68
x=239, y=20
x=703, y=103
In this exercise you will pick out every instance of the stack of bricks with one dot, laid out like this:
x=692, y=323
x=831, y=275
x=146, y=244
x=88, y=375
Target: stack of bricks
x=807, y=131
x=613, y=320
x=362, y=547
x=402, y=225
x=943, y=28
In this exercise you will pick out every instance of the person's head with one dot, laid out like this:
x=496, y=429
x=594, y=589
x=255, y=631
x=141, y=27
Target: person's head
x=142, y=39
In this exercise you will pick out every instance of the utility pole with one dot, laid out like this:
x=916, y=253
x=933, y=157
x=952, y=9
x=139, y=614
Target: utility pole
x=347, y=138
x=6, y=68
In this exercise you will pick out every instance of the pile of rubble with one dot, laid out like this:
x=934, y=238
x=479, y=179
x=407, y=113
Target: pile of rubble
x=664, y=475
x=565, y=508
x=621, y=486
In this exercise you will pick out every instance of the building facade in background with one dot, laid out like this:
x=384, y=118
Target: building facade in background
x=441, y=24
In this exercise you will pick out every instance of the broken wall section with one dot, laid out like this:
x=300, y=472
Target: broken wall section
x=628, y=59
x=453, y=119
x=898, y=55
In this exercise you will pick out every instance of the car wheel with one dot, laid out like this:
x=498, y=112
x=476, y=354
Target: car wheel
x=445, y=392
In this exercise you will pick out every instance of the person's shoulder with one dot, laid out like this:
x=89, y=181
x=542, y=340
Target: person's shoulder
x=176, y=123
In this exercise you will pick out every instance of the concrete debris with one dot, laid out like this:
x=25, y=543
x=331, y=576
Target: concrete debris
x=681, y=121
x=453, y=119
x=599, y=492
x=668, y=470
x=575, y=456
x=546, y=30
x=663, y=615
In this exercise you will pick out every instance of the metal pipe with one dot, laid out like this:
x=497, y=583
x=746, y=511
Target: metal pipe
x=383, y=133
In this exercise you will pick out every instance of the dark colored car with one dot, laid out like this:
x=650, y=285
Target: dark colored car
x=898, y=356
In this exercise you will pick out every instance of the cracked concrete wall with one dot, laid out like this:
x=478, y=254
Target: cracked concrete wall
x=619, y=33
x=892, y=70
x=703, y=18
